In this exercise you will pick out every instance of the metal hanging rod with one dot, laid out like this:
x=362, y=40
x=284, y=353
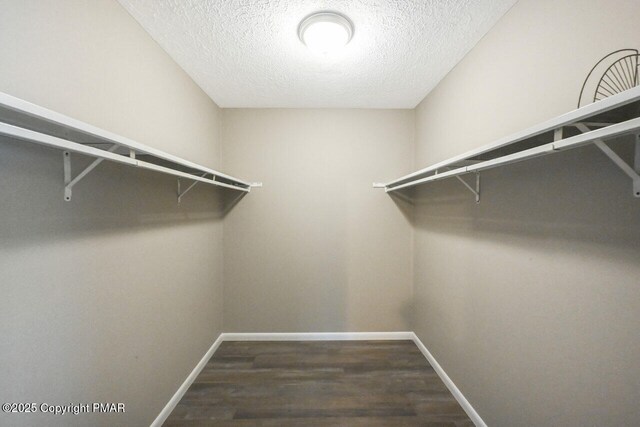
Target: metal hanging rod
x=32, y=116
x=468, y=162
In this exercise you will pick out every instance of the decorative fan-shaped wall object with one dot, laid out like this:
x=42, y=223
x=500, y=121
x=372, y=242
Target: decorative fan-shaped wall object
x=615, y=73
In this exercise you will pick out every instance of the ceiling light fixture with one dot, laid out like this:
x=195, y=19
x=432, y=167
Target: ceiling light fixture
x=325, y=32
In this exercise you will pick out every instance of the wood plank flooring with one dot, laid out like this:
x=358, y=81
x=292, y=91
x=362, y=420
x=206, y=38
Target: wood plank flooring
x=318, y=383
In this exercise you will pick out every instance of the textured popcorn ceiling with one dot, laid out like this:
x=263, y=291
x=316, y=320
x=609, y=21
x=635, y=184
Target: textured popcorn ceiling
x=247, y=54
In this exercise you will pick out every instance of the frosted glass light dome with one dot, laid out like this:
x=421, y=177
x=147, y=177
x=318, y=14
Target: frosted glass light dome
x=325, y=32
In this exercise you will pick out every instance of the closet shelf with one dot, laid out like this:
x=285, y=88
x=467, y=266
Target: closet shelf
x=612, y=117
x=25, y=121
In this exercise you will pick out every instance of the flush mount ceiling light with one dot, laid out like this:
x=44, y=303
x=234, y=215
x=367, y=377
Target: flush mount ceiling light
x=325, y=32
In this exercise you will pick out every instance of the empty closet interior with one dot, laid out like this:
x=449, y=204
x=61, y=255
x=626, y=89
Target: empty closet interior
x=179, y=177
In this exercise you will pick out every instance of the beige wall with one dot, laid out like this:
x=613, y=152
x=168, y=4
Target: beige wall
x=116, y=295
x=317, y=249
x=530, y=300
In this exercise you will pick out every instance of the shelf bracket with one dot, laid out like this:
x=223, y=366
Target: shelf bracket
x=68, y=181
x=632, y=172
x=180, y=194
x=476, y=191
x=636, y=166
x=557, y=134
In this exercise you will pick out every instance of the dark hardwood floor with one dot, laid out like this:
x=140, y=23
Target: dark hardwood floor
x=318, y=383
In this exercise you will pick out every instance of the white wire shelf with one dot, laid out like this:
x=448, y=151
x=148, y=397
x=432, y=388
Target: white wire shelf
x=593, y=124
x=24, y=121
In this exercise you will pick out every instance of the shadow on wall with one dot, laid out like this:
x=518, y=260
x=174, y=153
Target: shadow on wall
x=405, y=201
x=112, y=197
x=576, y=195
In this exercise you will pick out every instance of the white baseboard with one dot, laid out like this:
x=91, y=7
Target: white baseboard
x=175, y=399
x=318, y=336
x=464, y=403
